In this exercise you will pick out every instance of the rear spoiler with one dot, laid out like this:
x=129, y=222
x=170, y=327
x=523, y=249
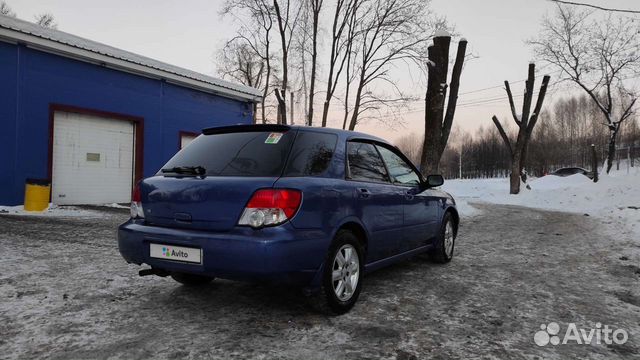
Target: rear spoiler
x=246, y=128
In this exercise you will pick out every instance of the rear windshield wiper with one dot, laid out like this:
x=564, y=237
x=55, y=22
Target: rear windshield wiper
x=192, y=170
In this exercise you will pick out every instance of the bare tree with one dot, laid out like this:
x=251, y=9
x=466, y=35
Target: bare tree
x=46, y=20
x=255, y=33
x=316, y=7
x=526, y=123
x=287, y=20
x=598, y=55
x=341, y=47
x=388, y=31
x=411, y=146
x=239, y=62
x=6, y=10
x=437, y=122
x=562, y=137
x=370, y=40
x=302, y=45
x=351, y=51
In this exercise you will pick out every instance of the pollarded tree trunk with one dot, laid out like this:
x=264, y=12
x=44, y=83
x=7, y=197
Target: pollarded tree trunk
x=438, y=122
x=525, y=123
x=514, y=177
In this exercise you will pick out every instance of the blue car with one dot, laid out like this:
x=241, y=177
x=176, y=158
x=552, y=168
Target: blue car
x=310, y=207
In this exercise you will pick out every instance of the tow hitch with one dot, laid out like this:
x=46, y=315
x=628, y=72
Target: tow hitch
x=152, y=271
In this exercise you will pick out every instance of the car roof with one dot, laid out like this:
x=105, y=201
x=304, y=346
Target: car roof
x=347, y=134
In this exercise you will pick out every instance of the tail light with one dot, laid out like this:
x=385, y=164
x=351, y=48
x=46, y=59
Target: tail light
x=269, y=207
x=136, y=203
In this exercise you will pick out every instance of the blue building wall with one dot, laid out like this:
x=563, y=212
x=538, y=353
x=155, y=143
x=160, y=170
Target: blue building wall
x=31, y=80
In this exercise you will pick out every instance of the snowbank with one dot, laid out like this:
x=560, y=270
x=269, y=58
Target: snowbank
x=464, y=208
x=52, y=211
x=615, y=198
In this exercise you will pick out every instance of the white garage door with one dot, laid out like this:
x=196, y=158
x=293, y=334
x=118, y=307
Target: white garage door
x=92, y=159
x=185, y=139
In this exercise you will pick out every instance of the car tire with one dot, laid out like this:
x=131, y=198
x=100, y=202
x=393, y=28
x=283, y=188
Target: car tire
x=445, y=243
x=341, y=281
x=191, y=279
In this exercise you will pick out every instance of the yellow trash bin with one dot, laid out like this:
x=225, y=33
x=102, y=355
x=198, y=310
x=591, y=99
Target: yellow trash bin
x=36, y=194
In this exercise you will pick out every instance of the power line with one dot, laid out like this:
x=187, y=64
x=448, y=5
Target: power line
x=510, y=82
x=488, y=101
x=488, y=88
x=502, y=98
x=488, y=98
x=501, y=85
x=499, y=98
x=596, y=7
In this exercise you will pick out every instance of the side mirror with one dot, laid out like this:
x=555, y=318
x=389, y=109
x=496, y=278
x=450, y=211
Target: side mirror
x=434, y=181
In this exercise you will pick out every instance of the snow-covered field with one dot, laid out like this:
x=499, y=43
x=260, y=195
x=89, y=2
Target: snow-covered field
x=615, y=199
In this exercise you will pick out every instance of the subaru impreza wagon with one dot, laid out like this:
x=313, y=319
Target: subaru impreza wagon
x=310, y=207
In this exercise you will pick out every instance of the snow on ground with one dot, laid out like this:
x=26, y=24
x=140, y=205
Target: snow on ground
x=52, y=211
x=614, y=199
x=116, y=206
x=462, y=204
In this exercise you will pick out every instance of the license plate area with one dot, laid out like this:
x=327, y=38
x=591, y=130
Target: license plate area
x=175, y=253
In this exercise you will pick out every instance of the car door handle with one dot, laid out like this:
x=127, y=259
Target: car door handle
x=364, y=193
x=409, y=194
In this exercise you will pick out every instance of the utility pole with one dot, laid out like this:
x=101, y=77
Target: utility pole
x=292, y=118
x=460, y=164
x=594, y=163
x=628, y=158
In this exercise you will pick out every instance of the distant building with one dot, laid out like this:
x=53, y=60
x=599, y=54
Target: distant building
x=94, y=119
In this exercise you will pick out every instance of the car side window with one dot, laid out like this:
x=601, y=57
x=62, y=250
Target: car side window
x=311, y=154
x=401, y=172
x=365, y=163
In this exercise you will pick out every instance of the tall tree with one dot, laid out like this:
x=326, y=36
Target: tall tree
x=300, y=64
x=239, y=62
x=437, y=122
x=342, y=37
x=388, y=31
x=316, y=7
x=287, y=20
x=526, y=123
x=598, y=55
x=351, y=52
x=256, y=34
x=6, y=10
x=46, y=20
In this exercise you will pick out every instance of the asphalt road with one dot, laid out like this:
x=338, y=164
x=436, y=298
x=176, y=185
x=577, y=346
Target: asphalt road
x=66, y=293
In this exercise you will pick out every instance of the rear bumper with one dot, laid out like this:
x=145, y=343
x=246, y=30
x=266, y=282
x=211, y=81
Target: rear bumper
x=279, y=254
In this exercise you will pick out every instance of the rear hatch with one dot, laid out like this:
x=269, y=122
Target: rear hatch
x=208, y=183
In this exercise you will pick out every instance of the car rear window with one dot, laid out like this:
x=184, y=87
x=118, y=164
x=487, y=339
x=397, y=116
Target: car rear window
x=311, y=153
x=259, y=153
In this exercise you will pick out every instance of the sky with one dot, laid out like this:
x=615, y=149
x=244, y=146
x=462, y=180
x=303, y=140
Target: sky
x=188, y=33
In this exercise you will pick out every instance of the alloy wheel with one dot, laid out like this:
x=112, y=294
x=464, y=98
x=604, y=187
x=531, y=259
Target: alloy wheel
x=448, y=239
x=346, y=272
